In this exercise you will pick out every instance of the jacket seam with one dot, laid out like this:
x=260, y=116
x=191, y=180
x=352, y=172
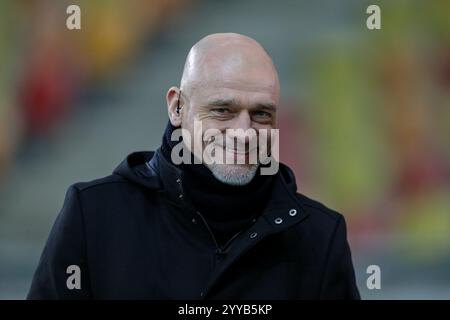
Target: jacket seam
x=97, y=184
x=83, y=227
x=327, y=261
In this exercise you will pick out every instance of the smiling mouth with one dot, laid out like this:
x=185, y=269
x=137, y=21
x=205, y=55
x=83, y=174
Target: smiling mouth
x=236, y=151
x=238, y=154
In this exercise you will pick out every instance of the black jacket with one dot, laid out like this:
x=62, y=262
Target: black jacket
x=132, y=236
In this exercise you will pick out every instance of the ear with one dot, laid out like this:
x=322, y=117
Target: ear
x=172, y=97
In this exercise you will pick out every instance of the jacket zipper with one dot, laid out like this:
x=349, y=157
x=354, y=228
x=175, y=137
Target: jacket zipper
x=218, y=248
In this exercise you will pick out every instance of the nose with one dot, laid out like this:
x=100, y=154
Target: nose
x=241, y=121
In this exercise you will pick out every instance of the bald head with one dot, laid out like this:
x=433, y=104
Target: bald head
x=228, y=59
x=229, y=82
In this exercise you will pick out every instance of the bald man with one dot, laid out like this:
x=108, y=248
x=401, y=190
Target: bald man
x=211, y=214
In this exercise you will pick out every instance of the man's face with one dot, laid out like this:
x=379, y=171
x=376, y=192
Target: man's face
x=240, y=101
x=229, y=83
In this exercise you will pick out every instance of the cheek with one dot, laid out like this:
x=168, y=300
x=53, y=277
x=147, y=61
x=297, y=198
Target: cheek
x=267, y=127
x=204, y=116
x=209, y=122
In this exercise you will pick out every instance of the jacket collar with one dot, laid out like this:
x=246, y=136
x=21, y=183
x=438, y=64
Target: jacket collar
x=134, y=168
x=152, y=170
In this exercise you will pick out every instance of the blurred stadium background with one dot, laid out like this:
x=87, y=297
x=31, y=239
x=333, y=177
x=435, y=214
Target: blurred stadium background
x=365, y=123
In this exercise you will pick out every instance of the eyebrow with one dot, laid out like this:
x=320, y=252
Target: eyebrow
x=267, y=106
x=232, y=102
x=223, y=102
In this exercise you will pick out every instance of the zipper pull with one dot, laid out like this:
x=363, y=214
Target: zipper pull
x=220, y=254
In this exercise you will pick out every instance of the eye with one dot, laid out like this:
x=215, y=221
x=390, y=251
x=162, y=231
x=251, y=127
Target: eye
x=262, y=114
x=221, y=110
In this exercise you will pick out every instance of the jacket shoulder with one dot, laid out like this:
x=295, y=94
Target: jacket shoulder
x=109, y=180
x=318, y=209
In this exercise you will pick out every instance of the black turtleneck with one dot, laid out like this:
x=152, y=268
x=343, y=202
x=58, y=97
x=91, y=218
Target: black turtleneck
x=227, y=209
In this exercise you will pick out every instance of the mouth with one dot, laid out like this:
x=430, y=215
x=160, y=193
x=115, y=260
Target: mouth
x=237, y=151
x=243, y=151
x=235, y=154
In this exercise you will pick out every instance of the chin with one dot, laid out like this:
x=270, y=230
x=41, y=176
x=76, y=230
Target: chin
x=234, y=174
